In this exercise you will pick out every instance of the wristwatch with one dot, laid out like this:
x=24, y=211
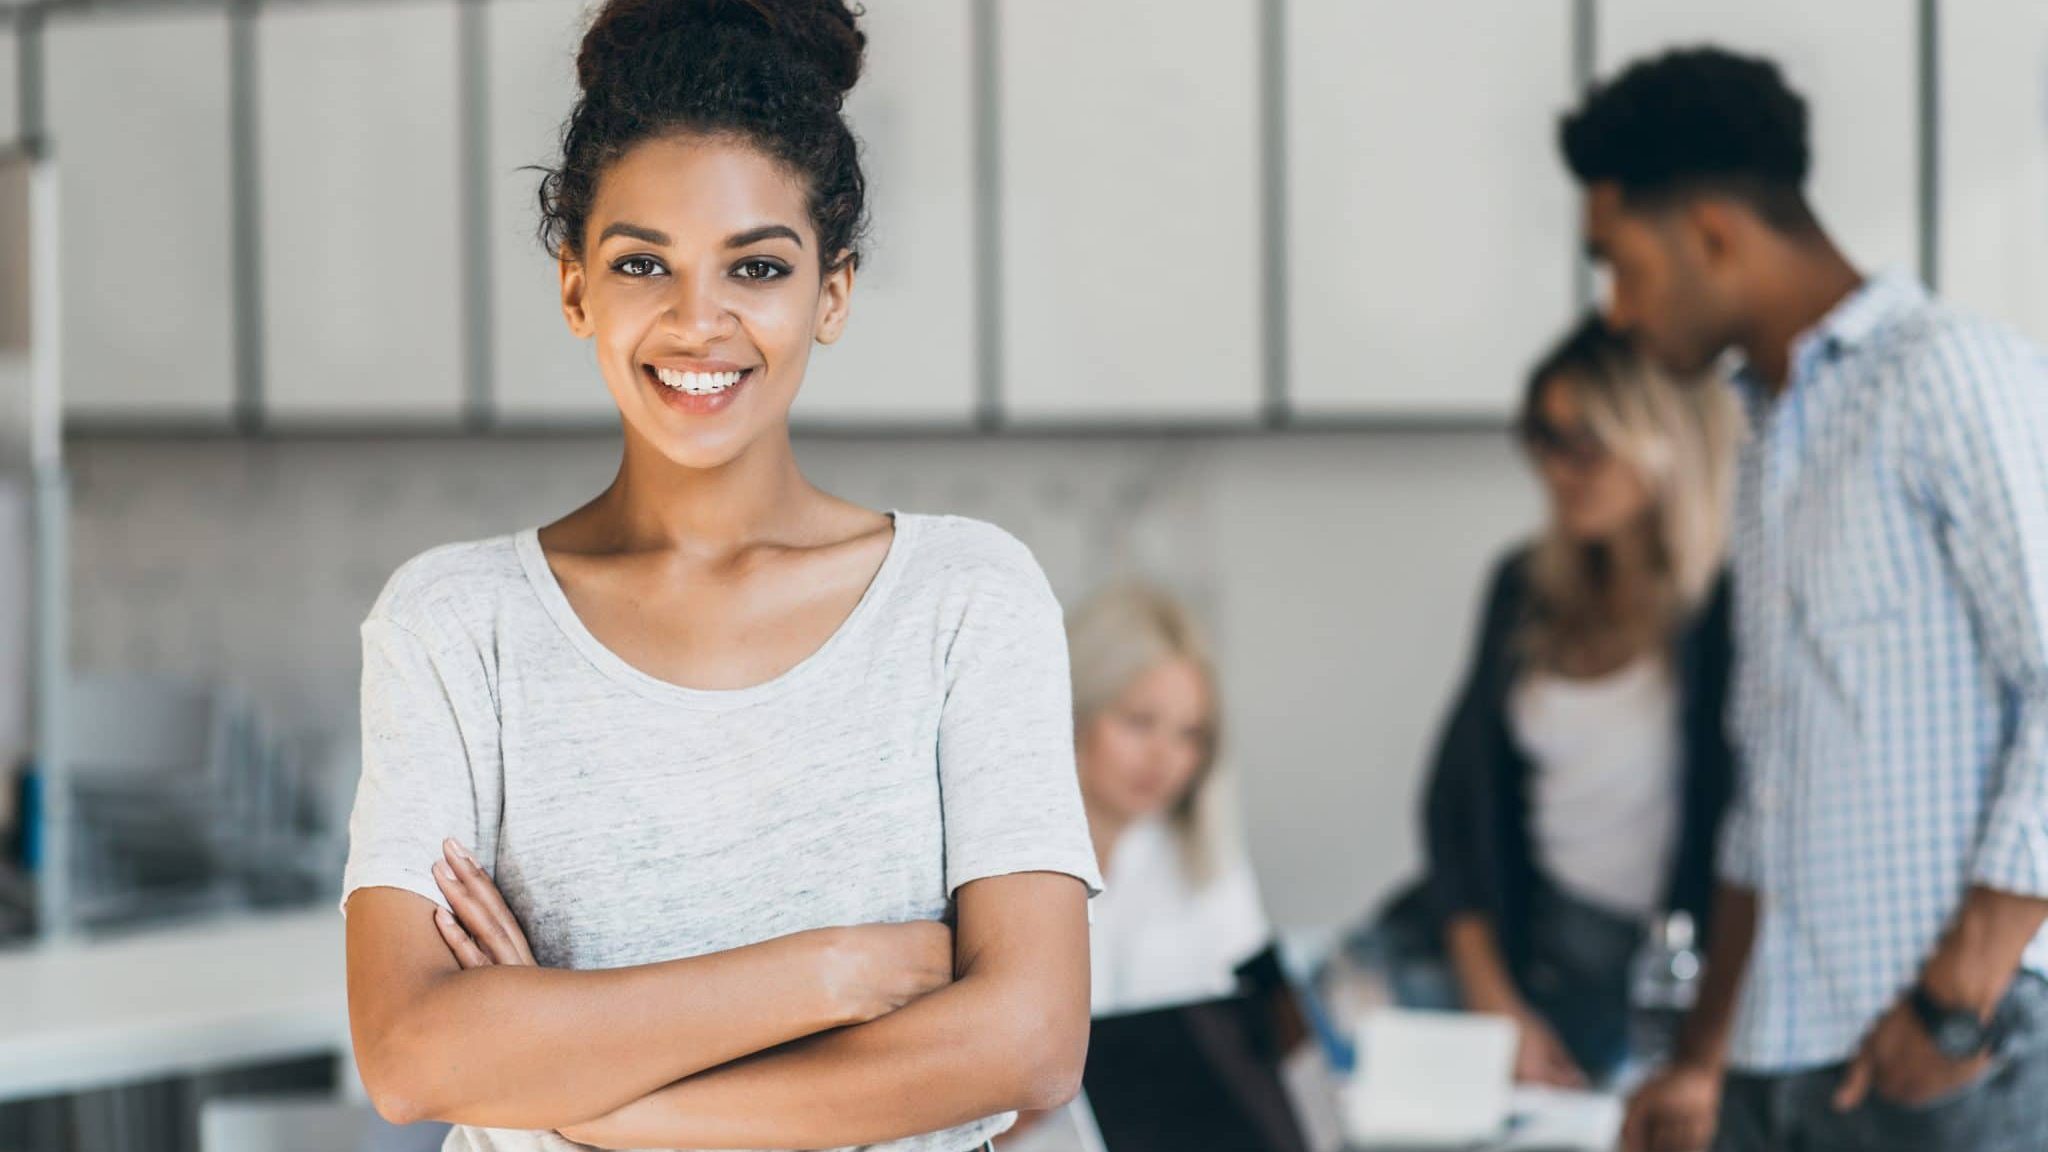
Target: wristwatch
x=1958, y=1033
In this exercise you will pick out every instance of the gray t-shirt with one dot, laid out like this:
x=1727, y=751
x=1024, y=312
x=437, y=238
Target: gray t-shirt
x=628, y=820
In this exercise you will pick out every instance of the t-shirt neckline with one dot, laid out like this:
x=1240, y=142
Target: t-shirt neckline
x=541, y=578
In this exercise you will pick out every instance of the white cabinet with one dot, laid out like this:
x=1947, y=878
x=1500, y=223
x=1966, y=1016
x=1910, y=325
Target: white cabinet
x=1857, y=64
x=1992, y=233
x=137, y=115
x=359, y=156
x=908, y=354
x=1432, y=227
x=10, y=88
x=542, y=372
x=1131, y=250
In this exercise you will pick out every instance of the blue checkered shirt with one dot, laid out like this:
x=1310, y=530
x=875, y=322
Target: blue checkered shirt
x=1890, y=702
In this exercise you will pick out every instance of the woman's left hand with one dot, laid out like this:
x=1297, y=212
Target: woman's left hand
x=483, y=932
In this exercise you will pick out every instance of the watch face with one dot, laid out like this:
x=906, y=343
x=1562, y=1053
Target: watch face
x=1958, y=1038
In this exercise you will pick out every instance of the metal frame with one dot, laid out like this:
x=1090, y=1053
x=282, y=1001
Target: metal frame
x=52, y=609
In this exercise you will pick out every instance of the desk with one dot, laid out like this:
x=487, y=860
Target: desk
x=177, y=1001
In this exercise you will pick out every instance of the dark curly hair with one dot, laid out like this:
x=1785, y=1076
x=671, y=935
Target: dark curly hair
x=774, y=73
x=1696, y=120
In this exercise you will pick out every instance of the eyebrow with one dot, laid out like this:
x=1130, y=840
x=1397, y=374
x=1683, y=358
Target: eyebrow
x=766, y=232
x=635, y=231
x=736, y=240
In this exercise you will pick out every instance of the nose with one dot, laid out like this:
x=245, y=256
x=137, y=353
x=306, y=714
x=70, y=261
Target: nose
x=1607, y=298
x=697, y=314
x=1618, y=318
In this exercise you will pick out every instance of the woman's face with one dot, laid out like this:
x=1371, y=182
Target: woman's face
x=701, y=284
x=1594, y=494
x=1139, y=755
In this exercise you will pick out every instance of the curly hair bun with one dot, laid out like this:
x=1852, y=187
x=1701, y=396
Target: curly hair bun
x=811, y=49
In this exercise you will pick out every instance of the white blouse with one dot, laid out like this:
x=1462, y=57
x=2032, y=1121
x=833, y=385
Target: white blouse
x=1604, y=792
x=1159, y=937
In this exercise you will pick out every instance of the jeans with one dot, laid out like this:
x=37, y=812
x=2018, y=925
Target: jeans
x=2004, y=1110
x=1576, y=975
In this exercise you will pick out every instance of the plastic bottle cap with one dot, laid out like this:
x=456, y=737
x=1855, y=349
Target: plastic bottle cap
x=1678, y=931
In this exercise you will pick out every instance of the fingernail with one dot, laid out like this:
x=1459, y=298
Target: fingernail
x=441, y=915
x=442, y=871
x=464, y=853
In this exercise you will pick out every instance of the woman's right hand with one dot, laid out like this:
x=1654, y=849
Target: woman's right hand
x=1540, y=1057
x=870, y=970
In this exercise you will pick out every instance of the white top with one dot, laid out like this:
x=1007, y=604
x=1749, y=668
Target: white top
x=928, y=743
x=82, y=1014
x=1159, y=938
x=1604, y=793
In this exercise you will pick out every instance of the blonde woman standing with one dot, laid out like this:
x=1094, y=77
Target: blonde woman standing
x=1579, y=783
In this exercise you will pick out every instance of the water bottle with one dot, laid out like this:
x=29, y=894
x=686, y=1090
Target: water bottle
x=1663, y=983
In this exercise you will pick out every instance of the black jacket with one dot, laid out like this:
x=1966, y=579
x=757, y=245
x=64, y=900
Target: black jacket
x=1476, y=814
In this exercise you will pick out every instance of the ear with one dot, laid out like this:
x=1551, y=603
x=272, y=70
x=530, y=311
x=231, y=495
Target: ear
x=573, y=286
x=835, y=295
x=1717, y=226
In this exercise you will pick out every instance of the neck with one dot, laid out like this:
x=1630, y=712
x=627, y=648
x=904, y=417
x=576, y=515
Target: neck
x=1631, y=554
x=1797, y=288
x=655, y=504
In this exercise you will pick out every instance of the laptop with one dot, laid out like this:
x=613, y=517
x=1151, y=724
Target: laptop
x=1242, y=1072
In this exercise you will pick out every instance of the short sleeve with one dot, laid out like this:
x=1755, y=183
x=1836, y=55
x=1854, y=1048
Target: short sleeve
x=429, y=734
x=1735, y=857
x=1007, y=782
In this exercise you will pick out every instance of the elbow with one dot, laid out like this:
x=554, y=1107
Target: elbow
x=393, y=1098
x=1050, y=1051
x=394, y=1074
x=398, y=1109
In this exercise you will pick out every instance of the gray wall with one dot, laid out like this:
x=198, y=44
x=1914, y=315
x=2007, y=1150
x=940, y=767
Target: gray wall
x=1338, y=572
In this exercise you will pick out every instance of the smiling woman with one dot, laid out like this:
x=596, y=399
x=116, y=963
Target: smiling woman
x=719, y=813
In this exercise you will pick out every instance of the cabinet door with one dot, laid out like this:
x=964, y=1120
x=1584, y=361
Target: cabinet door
x=10, y=87
x=1131, y=251
x=908, y=354
x=542, y=372
x=359, y=157
x=138, y=120
x=1431, y=224
x=1993, y=232
x=1857, y=64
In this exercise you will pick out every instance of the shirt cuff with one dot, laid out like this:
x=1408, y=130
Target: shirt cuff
x=2012, y=856
x=1735, y=859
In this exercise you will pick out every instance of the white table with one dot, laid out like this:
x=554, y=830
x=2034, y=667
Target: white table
x=176, y=1001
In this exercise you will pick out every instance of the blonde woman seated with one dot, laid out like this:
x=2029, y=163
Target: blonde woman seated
x=1182, y=908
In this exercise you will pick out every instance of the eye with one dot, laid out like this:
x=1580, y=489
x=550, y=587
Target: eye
x=760, y=268
x=638, y=267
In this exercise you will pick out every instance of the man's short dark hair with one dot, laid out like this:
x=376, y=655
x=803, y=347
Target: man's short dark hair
x=1696, y=120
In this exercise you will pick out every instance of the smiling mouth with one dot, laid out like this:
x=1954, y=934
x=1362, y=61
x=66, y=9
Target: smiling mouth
x=698, y=383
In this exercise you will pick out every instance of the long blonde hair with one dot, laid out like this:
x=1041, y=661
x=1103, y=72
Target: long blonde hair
x=1680, y=436
x=1118, y=635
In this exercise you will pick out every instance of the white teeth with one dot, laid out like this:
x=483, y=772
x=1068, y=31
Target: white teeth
x=698, y=383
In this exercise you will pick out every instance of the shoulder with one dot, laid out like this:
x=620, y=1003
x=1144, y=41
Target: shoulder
x=1507, y=589
x=439, y=590
x=1510, y=576
x=974, y=559
x=971, y=547
x=1953, y=363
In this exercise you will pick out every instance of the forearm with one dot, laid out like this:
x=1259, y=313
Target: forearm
x=971, y=1050
x=1976, y=961
x=518, y=1047
x=1703, y=1041
x=1482, y=973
